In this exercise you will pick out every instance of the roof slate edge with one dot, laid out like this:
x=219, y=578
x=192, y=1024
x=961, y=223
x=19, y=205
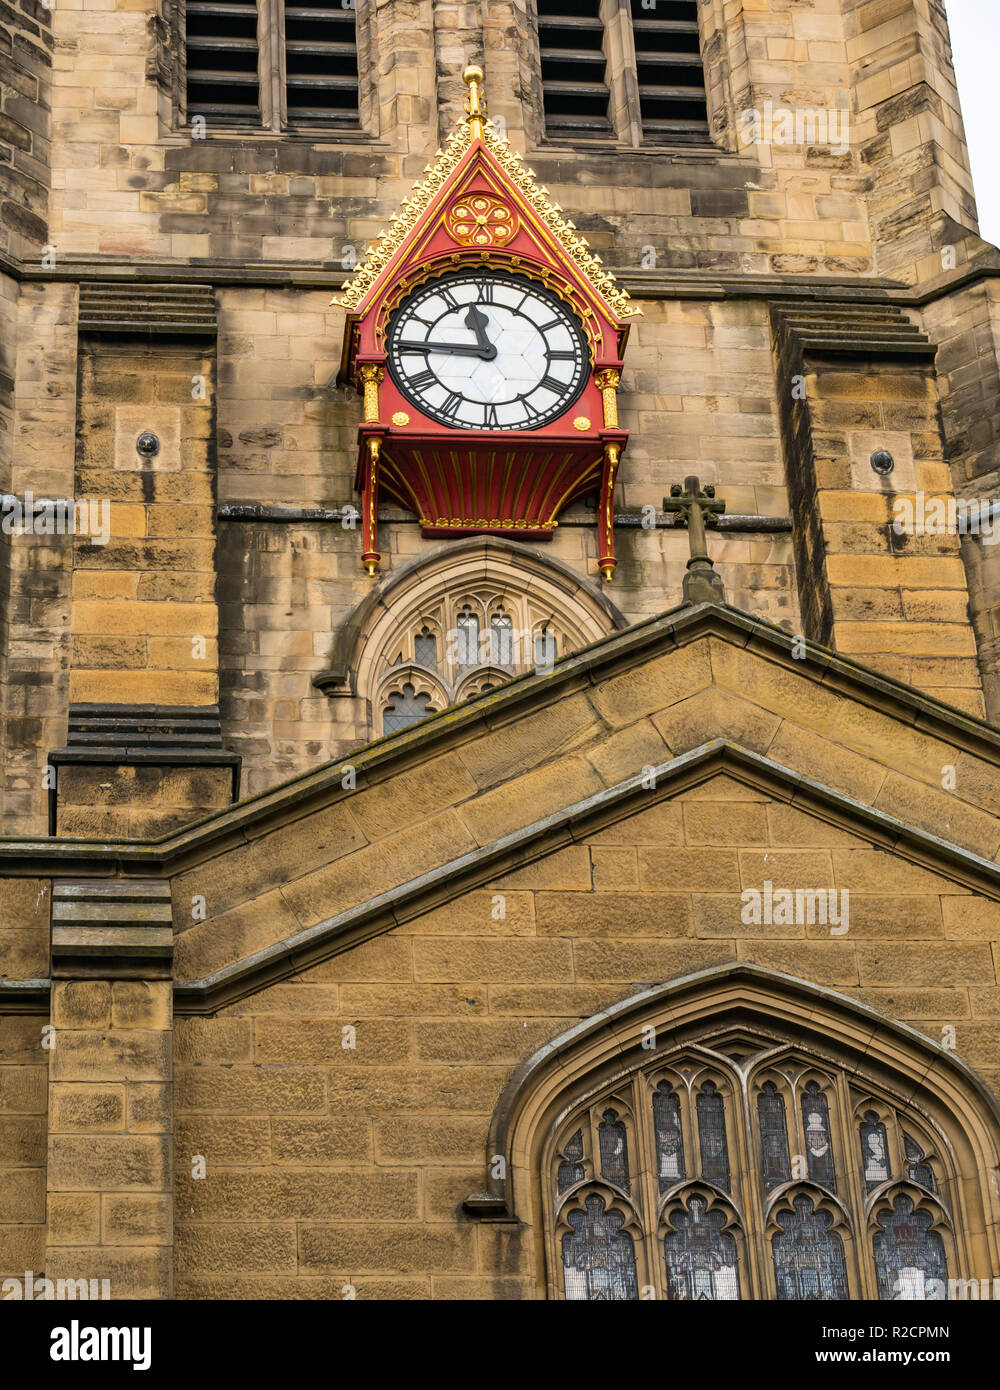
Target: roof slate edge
x=560, y=830
x=379, y=759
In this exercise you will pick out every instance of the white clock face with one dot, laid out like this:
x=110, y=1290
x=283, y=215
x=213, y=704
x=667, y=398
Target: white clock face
x=482, y=350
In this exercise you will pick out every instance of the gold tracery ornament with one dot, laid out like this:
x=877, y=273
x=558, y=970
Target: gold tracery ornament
x=478, y=126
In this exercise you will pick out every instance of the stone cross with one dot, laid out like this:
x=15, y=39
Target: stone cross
x=696, y=505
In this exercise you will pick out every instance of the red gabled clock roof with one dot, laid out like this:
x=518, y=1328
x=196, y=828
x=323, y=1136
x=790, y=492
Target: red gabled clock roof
x=424, y=239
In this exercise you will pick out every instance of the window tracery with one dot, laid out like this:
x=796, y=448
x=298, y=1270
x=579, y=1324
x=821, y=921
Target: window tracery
x=457, y=646
x=797, y=1187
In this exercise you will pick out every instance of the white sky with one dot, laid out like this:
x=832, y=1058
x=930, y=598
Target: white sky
x=975, y=41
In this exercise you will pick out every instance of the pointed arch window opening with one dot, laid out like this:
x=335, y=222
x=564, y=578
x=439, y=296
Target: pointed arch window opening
x=406, y=707
x=669, y=1131
x=874, y=1151
x=909, y=1256
x=712, y=1136
x=775, y=1158
x=918, y=1170
x=703, y=1225
x=425, y=648
x=820, y=1159
x=472, y=642
x=613, y=1138
x=467, y=640
x=501, y=639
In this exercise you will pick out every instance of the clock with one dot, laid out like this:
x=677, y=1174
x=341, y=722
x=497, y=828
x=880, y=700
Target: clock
x=484, y=350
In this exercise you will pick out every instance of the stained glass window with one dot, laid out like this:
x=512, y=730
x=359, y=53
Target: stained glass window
x=614, y=1149
x=425, y=648
x=639, y=1170
x=404, y=708
x=598, y=1256
x=808, y=1257
x=819, y=1142
x=874, y=1151
x=701, y=1257
x=919, y=1171
x=669, y=1135
x=908, y=1254
x=467, y=647
x=571, y=1168
x=501, y=640
x=775, y=1161
x=712, y=1136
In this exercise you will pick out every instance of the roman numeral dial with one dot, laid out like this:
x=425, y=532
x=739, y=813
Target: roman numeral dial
x=487, y=350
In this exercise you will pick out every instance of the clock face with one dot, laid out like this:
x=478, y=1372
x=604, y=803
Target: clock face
x=482, y=350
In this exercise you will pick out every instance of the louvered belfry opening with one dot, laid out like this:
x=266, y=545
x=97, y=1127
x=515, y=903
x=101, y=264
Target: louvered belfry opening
x=574, y=68
x=222, y=80
x=671, y=76
x=321, y=64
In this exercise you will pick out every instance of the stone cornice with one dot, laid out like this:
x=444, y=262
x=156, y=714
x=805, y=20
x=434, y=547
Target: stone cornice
x=640, y=285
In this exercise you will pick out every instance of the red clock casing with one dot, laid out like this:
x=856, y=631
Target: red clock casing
x=480, y=208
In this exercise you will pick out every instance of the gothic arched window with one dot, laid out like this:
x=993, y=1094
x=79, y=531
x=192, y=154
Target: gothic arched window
x=744, y=1167
x=712, y=1135
x=669, y=1136
x=501, y=639
x=816, y=1131
x=919, y=1170
x=773, y=1136
x=460, y=646
x=874, y=1151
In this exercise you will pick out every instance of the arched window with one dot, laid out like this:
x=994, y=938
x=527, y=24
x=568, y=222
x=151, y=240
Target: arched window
x=425, y=648
x=598, y=1255
x=466, y=639
x=459, y=622
x=701, y=1257
x=470, y=642
x=731, y=1162
x=773, y=1136
x=501, y=639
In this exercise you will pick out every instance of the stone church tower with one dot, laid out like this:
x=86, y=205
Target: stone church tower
x=583, y=887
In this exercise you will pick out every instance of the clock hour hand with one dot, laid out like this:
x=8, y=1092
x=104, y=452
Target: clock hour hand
x=477, y=321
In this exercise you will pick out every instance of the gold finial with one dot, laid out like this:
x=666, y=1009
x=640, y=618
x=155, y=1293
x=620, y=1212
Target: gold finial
x=474, y=77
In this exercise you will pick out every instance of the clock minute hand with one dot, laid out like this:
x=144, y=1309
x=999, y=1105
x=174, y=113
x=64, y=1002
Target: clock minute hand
x=487, y=353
